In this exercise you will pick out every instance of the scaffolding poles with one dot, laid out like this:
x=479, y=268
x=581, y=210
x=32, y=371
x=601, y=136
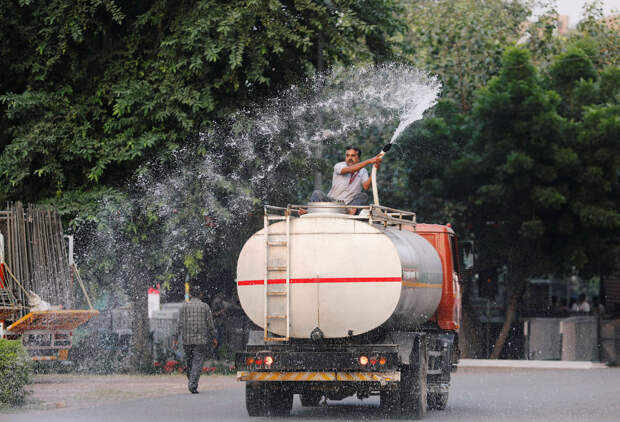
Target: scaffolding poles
x=36, y=253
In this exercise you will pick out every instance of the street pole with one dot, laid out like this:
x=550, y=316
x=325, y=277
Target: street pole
x=488, y=333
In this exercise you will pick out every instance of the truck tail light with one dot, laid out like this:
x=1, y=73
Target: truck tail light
x=363, y=360
x=382, y=360
x=373, y=361
x=259, y=362
x=268, y=360
x=249, y=361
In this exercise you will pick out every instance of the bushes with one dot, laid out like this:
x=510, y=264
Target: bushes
x=15, y=373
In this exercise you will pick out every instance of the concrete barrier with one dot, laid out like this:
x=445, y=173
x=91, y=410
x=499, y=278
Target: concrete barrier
x=542, y=339
x=580, y=338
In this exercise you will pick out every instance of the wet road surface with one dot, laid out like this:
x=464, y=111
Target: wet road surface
x=476, y=395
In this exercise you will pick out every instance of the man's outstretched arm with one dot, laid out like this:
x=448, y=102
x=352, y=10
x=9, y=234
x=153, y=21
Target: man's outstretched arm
x=355, y=167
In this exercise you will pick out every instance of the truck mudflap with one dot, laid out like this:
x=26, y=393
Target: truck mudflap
x=383, y=378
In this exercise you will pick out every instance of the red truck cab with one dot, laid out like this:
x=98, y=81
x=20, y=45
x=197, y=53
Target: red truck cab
x=443, y=239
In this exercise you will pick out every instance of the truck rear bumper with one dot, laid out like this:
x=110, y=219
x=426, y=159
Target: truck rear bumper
x=323, y=376
x=294, y=359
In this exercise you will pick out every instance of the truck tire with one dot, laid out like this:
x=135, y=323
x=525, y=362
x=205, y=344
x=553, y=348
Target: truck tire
x=413, y=394
x=310, y=398
x=279, y=400
x=256, y=398
x=437, y=401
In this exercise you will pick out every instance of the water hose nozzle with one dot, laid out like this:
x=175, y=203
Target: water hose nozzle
x=387, y=147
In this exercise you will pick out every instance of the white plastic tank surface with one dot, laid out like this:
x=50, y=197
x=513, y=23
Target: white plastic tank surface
x=347, y=277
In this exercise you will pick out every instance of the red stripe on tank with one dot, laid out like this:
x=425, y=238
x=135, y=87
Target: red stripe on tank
x=323, y=280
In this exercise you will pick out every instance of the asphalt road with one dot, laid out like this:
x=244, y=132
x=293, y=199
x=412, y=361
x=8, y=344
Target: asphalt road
x=476, y=395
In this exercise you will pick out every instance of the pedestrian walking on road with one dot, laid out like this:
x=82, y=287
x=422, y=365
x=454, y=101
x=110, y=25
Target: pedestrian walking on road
x=197, y=332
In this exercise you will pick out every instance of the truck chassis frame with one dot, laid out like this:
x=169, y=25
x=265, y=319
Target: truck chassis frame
x=414, y=376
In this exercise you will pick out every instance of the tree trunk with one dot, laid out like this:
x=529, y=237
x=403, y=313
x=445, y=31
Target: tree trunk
x=511, y=313
x=141, y=350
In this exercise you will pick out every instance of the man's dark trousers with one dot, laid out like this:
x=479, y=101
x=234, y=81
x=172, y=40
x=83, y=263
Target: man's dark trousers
x=195, y=355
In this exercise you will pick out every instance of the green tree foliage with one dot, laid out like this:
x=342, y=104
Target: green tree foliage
x=462, y=41
x=595, y=198
x=594, y=136
x=573, y=74
x=597, y=36
x=589, y=85
x=539, y=189
x=99, y=92
x=513, y=160
x=514, y=174
x=90, y=90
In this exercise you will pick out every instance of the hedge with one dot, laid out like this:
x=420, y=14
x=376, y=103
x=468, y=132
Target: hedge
x=15, y=373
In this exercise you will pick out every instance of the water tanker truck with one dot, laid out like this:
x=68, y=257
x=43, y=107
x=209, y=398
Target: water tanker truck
x=363, y=305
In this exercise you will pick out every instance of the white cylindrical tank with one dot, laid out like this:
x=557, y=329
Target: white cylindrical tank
x=347, y=277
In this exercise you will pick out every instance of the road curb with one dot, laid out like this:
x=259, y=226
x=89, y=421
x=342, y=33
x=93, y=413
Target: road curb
x=531, y=364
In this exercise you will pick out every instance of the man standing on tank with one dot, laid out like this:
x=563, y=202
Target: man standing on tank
x=195, y=327
x=348, y=180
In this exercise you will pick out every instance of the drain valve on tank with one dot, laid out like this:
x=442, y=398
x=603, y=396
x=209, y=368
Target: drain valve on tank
x=316, y=334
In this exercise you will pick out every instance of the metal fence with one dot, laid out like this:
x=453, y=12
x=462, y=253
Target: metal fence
x=232, y=329
x=163, y=324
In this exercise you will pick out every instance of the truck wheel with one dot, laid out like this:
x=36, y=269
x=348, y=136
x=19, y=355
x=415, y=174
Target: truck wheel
x=413, y=400
x=437, y=401
x=389, y=402
x=310, y=398
x=256, y=398
x=279, y=400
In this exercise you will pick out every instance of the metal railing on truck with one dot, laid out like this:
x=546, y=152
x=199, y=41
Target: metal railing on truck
x=373, y=214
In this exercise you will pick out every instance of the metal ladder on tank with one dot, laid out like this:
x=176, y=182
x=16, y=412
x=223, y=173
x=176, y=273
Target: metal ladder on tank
x=271, y=269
